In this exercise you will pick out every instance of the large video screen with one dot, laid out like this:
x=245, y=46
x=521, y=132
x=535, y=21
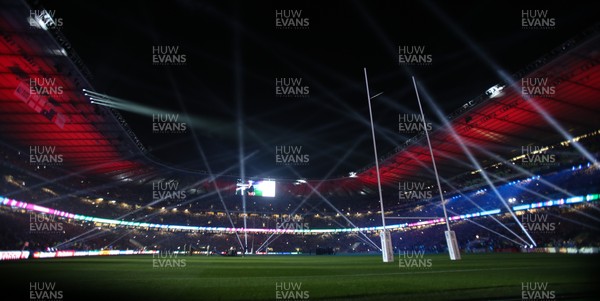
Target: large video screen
x=263, y=188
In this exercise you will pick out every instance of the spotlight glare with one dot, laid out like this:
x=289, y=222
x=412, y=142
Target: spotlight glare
x=494, y=91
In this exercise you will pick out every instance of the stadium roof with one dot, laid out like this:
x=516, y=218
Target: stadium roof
x=42, y=103
x=95, y=140
x=496, y=128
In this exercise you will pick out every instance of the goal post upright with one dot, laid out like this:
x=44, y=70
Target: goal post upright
x=453, y=249
x=387, y=251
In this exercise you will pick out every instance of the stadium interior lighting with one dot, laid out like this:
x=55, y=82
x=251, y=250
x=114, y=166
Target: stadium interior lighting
x=495, y=91
x=492, y=196
x=122, y=223
x=473, y=160
x=203, y=123
x=58, y=52
x=314, y=191
x=485, y=57
x=509, y=80
x=40, y=21
x=551, y=120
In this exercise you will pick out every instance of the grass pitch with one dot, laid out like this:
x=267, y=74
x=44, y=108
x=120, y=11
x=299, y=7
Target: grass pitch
x=475, y=277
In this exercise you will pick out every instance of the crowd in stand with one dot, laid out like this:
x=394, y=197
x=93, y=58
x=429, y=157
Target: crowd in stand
x=574, y=225
x=476, y=235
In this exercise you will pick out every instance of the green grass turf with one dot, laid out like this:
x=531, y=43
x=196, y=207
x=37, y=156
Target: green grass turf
x=338, y=277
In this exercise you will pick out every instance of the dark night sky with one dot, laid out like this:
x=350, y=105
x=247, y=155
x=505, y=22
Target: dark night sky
x=115, y=41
